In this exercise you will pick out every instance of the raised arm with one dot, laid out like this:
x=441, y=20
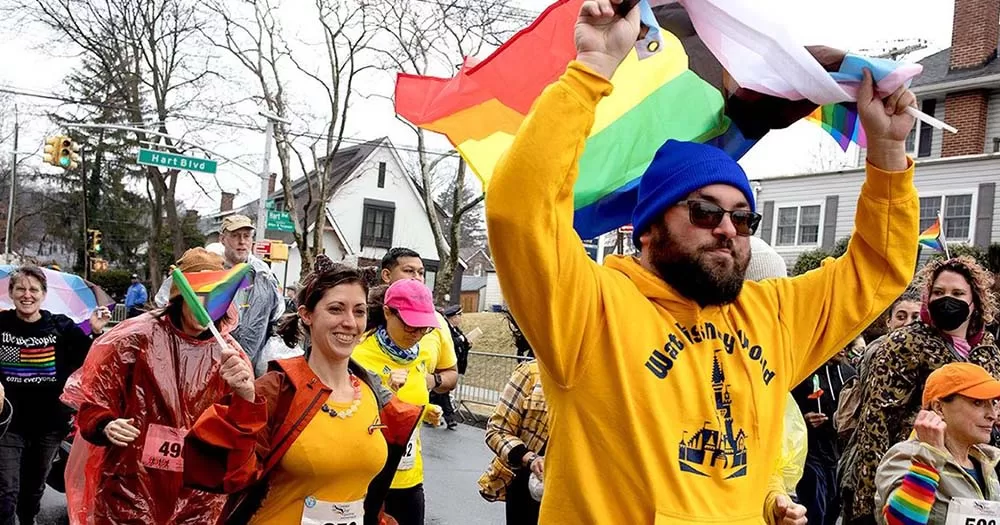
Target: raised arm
x=541, y=264
x=826, y=308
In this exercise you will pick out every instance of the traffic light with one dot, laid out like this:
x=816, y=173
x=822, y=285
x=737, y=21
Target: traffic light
x=52, y=147
x=70, y=157
x=62, y=152
x=94, y=241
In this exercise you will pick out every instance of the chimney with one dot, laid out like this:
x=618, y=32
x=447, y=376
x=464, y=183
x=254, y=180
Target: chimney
x=966, y=110
x=975, y=33
x=227, y=201
x=270, y=183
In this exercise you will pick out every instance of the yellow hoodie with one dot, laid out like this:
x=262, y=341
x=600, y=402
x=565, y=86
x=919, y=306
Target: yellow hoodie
x=663, y=412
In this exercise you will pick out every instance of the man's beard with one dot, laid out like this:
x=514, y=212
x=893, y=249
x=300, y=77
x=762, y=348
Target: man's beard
x=693, y=274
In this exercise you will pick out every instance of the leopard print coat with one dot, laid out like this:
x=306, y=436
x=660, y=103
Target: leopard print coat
x=890, y=400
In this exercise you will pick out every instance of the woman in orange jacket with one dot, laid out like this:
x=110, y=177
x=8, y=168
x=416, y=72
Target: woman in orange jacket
x=321, y=439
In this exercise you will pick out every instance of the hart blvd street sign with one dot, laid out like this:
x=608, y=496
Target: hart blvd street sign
x=280, y=221
x=170, y=160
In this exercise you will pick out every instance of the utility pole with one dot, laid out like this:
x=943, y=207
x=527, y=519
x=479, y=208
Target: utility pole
x=13, y=189
x=86, y=225
x=265, y=174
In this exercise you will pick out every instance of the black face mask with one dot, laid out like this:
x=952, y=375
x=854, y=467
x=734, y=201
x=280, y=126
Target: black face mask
x=948, y=313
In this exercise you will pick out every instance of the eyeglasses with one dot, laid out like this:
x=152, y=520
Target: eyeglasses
x=704, y=214
x=421, y=330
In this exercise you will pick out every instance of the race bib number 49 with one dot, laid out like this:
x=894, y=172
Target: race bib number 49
x=318, y=512
x=964, y=511
x=164, y=448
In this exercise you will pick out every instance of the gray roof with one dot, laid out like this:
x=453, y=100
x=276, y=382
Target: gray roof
x=473, y=283
x=936, y=70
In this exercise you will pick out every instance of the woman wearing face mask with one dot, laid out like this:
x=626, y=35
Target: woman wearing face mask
x=957, y=305
x=307, y=441
x=949, y=458
x=391, y=350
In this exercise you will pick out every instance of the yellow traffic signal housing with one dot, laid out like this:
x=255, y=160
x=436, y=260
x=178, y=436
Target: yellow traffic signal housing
x=52, y=147
x=94, y=241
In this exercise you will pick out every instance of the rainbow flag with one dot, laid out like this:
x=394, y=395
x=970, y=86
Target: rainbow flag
x=209, y=294
x=933, y=237
x=655, y=99
x=841, y=121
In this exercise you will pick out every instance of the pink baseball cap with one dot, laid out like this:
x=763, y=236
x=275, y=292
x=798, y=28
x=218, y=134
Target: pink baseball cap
x=413, y=301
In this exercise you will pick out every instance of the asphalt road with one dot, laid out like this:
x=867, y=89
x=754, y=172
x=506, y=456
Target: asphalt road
x=453, y=462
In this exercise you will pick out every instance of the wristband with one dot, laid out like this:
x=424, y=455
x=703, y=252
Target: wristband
x=437, y=380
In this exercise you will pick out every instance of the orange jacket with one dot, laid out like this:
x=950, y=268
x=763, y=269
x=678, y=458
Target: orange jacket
x=235, y=444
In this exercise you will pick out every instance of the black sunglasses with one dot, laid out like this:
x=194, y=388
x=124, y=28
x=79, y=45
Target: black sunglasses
x=704, y=214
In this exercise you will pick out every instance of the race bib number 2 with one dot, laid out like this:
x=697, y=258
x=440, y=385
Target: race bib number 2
x=964, y=511
x=318, y=512
x=164, y=448
x=409, y=459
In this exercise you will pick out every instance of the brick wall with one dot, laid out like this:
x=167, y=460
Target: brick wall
x=967, y=112
x=975, y=32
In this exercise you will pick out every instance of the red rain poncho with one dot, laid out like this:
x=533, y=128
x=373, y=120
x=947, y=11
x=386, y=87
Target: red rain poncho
x=148, y=370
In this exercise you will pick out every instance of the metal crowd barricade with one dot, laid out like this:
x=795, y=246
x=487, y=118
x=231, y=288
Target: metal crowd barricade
x=483, y=382
x=118, y=314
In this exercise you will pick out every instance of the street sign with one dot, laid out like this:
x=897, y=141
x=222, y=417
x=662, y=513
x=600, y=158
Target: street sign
x=170, y=160
x=262, y=249
x=280, y=221
x=271, y=251
x=279, y=251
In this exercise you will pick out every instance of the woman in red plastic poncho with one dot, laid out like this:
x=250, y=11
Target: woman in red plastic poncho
x=142, y=386
x=321, y=441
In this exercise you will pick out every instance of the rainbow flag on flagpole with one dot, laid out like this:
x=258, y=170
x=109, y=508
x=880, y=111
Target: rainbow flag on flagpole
x=841, y=122
x=933, y=238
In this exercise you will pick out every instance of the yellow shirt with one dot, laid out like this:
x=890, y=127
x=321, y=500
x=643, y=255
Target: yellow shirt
x=439, y=345
x=685, y=399
x=333, y=460
x=370, y=355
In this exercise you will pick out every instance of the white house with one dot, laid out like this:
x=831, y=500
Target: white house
x=956, y=174
x=376, y=206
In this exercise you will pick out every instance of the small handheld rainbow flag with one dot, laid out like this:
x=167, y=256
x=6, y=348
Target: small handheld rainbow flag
x=841, y=122
x=933, y=238
x=216, y=288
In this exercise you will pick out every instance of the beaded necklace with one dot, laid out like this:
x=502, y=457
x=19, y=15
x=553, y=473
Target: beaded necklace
x=332, y=412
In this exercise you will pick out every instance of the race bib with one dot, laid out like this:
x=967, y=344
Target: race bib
x=317, y=512
x=164, y=448
x=410, y=454
x=965, y=511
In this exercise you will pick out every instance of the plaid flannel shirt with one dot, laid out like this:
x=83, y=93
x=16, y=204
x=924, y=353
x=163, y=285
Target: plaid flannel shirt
x=519, y=425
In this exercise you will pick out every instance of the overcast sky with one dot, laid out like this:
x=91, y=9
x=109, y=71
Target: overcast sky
x=27, y=62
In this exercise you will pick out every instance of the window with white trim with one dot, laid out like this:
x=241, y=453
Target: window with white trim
x=798, y=225
x=955, y=210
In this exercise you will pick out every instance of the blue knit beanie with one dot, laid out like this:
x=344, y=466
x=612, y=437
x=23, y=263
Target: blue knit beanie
x=679, y=168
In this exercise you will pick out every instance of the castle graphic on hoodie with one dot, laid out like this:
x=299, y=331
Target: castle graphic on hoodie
x=716, y=446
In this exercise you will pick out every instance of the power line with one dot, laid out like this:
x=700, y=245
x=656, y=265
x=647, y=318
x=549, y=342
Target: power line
x=215, y=121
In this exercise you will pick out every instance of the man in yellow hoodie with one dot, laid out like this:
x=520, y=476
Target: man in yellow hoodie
x=667, y=376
